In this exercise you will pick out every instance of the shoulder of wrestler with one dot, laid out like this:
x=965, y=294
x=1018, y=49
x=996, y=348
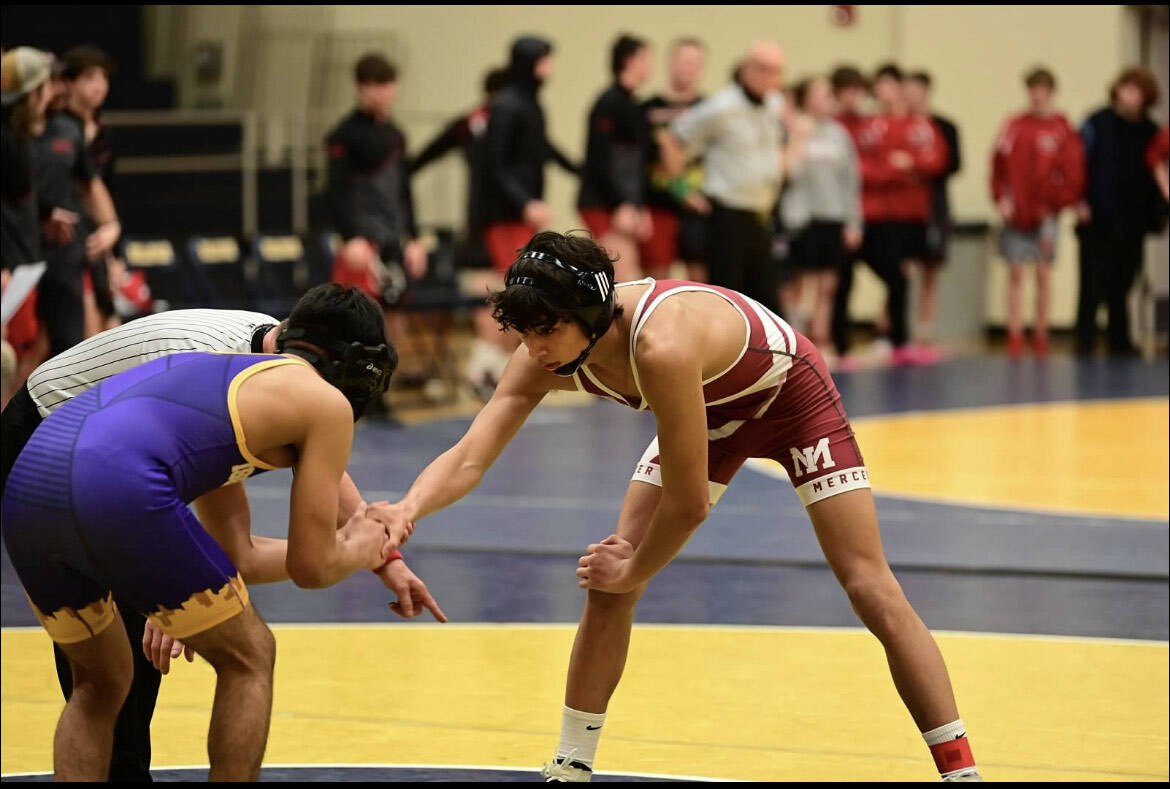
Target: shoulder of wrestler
x=669, y=338
x=300, y=391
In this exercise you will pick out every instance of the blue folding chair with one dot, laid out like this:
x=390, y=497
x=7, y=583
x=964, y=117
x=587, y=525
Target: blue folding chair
x=170, y=282
x=283, y=272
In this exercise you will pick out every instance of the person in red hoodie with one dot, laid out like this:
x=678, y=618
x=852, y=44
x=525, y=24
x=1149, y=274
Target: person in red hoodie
x=900, y=155
x=1037, y=169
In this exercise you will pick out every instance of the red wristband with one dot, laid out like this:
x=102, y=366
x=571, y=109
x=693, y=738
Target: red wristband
x=392, y=557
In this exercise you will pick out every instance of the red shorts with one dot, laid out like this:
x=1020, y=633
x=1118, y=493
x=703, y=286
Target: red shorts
x=656, y=254
x=662, y=249
x=597, y=221
x=805, y=429
x=504, y=240
x=21, y=329
x=365, y=279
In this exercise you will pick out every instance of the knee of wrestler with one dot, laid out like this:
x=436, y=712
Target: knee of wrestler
x=877, y=598
x=107, y=686
x=264, y=651
x=254, y=653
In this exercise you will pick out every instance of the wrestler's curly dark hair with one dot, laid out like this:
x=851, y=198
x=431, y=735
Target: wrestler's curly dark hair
x=527, y=309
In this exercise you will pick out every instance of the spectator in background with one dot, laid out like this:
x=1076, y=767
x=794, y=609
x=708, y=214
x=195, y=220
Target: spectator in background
x=517, y=149
x=468, y=132
x=737, y=132
x=27, y=91
x=1121, y=205
x=678, y=209
x=938, y=227
x=370, y=197
x=84, y=225
x=900, y=154
x=1156, y=156
x=1037, y=169
x=369, y=184
x=87, y=71
x=822, y=204
x=612, y=199
x=850, y=90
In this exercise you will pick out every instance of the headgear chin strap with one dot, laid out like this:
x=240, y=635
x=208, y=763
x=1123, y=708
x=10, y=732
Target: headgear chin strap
x=361, y=372
x=594, y=314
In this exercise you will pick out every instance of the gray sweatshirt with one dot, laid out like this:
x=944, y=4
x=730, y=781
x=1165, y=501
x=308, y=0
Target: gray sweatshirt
x=826, y=183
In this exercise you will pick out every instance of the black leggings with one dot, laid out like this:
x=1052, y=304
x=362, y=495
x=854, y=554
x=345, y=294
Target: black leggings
x=1110, y=261
x=60, y=296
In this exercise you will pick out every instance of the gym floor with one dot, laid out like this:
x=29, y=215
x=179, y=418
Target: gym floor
x=1024, y=508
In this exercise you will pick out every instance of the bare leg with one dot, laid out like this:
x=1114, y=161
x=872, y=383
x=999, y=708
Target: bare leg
x=847, y=529
x=1015, y=321
x=697, y=272
x=790, y=297
x=102, y=671
x=1043, y=289
x=242, y=651
x=93, y=317
x=628, y=264
x=603, y=637
x=927, y=303
x=822, y=317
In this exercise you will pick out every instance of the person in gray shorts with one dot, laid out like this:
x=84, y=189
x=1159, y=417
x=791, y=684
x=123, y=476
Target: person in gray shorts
x=1037, y=170
x=1037, y=245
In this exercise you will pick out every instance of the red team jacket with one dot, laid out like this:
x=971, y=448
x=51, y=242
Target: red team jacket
x=887, y=193
x=1039, y=163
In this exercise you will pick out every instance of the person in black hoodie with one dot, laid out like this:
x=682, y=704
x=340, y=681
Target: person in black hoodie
x=369, y=186
x=373, y=208
x=1121, y=205
x=468, y=133
x=917, y=89
x=492, y=348
x=87, y=71
x=70, y=188
x=612, y=200
x=517, y=149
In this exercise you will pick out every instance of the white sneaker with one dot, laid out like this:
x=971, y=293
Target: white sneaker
x=563, y=771
x=963, y=775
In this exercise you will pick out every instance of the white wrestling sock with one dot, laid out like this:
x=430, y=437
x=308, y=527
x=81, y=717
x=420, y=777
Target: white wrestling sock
x=580, y=732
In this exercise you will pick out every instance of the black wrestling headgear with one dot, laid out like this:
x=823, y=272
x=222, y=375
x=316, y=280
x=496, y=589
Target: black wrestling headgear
x=594, y=312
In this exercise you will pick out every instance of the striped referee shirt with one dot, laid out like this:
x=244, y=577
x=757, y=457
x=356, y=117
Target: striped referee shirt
x=104, y=355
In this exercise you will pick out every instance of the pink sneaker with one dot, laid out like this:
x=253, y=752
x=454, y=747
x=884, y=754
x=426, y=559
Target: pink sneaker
x=904, y=356
x=926, y=354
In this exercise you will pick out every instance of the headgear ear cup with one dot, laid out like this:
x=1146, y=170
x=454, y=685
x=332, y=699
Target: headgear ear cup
x=360, y=372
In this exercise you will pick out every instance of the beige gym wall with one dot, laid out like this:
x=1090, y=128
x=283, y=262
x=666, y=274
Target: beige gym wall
x=977, y=55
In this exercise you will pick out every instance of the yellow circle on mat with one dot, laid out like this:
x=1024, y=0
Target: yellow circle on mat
x=1109, y=458
x=745, y=703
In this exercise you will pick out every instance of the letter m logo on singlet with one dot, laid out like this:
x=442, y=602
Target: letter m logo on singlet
x=812, y=458
x=240, y=472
